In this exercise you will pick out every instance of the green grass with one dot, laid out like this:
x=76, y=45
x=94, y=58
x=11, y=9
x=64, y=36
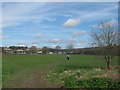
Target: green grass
x=14, y=64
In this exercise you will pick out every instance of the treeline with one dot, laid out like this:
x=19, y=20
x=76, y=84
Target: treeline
x=58, y=50
x=100, y=50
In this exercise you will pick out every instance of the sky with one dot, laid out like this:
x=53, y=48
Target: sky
x=53, y=23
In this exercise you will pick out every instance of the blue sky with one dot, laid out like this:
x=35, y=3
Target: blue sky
x=53, y=23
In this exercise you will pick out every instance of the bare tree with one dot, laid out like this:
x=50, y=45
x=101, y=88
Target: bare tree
x=45, y=50
x=57, y=48
x=69, y=48
x=105, y=36
x=33, y=49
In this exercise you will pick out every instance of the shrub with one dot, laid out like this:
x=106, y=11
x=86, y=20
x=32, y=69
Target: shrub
x=70, y=82
x=98, y=83
x=60, y=70
x=79, y=73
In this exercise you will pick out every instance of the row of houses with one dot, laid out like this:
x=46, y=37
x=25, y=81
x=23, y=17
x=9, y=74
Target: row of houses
x=33, y=50
x=21, y=50
x=46, y=50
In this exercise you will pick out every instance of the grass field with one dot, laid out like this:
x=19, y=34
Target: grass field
x=39, y=71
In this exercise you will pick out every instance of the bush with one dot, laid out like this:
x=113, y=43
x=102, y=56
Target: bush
x=98, y=83
x=114, y=85
x=70, y=82
x=79, y=73
x=60, y=70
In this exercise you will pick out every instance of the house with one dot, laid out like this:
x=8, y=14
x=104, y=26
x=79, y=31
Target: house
x=50, y=52
x=39, y=52
x=59, y=52
x=19, y=51
x=7, y=50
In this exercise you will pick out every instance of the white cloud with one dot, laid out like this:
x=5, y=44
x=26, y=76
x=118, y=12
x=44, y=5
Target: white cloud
x=15, y=14
x=53, y=45
x=61, y=41
x=22, y=43
x=38, y=35
x=71, y=23
x=6, y=36
x=18, y=13
x=111, y=22
x=94, y=15
x=67, y=15
x=78, y=44
x=56, y=40
x=51, y=19
x=34, y=45
x=78, y=33
x=36, y=41
x=0, y=32
x=93, y=26
x=71, y=40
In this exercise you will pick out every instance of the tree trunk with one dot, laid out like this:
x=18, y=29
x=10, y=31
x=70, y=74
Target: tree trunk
x=108, y=65
x=108, y=61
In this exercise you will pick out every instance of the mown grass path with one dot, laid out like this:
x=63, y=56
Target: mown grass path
x=38, y=80
x=20, y=71
x=33, y=79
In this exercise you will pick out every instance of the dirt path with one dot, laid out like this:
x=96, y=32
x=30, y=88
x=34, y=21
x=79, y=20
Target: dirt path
x=34, y=79
x=37, y=80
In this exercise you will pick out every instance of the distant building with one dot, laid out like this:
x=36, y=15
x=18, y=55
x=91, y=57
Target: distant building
x=7, y=50
x=51, y=53
x=39, y=50
x=59, y=52
x=19, y=51
x=35, y=50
